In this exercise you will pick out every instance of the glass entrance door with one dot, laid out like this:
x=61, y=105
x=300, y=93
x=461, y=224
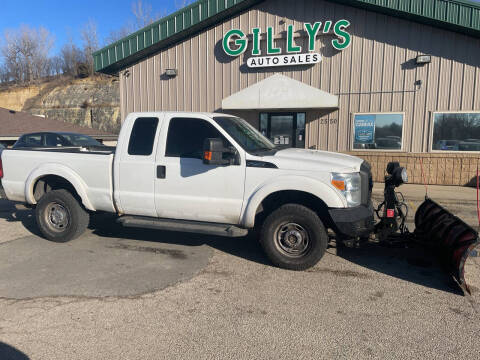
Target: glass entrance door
x=284, y=129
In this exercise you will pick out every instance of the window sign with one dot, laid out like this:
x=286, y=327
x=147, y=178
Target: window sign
x=378, y=131
x=365, y=129
x=456, y=132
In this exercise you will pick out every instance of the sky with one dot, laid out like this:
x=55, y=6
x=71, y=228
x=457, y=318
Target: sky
x=64, y=19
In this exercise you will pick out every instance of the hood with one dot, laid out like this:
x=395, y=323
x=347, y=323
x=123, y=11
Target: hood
x=314, y=160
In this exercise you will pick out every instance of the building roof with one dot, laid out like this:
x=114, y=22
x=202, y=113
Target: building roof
x=456, y=15
x=16, y=123
x=280, y=92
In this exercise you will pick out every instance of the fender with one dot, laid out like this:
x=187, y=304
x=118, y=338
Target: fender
x=63, y=171
x=331, y=197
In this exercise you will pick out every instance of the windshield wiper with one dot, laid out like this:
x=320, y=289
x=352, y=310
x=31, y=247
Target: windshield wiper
x=264, y=149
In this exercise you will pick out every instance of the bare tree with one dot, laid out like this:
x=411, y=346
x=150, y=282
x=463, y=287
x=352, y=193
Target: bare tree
x=143, y=16
x=12, y=63
x=25, y=52
x=124, y=31
x=143, y=13
x=4, y=74
x=72, y=56
x=90, y=43
x=179, y=4
x=56, y=65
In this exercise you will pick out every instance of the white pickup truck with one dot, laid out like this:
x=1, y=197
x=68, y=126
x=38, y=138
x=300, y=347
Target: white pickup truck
x=198, y=172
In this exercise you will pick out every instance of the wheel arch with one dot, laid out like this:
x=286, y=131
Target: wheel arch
x=55, y=176
x=300, y=190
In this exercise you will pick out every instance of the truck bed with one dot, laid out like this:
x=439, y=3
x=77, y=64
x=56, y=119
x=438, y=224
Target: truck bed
x=91, y=167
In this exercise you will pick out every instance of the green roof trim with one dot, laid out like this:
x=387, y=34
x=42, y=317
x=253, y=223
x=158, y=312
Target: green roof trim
x=456, y=15
x=166, y=31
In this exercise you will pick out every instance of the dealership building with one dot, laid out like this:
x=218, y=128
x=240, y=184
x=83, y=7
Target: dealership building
x=381, y=79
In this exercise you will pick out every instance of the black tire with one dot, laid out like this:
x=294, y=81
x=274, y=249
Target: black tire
x=294, y=237
x=60, y=217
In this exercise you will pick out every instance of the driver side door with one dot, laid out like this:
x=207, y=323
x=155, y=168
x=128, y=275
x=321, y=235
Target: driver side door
x=188, y=189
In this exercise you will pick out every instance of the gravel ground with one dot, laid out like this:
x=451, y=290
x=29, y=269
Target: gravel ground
x=373, y=302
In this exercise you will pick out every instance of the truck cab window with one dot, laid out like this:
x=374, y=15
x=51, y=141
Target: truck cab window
x=143, y=136
x=186, y=136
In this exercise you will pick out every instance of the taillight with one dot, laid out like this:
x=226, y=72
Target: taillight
x=1, y=168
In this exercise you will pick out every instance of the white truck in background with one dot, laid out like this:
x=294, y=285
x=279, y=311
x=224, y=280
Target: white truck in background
x=202, y=173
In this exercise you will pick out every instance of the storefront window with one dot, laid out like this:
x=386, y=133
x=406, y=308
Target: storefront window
x=378, y=131
x=284, y=129
x=456, y=132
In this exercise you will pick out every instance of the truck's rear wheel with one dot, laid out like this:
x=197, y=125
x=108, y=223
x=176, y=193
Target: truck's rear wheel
x=293, y=237
x=60, y=217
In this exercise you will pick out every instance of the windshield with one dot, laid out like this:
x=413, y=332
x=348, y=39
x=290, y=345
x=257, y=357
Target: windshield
x=81, y=140
x=244, y=134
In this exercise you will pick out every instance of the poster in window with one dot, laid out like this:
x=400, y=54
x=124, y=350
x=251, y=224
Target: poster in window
x=364, y=129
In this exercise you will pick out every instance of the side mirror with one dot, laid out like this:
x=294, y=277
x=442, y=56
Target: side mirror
x=213, y=151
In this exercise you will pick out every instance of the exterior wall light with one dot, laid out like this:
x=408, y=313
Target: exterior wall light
x=171, y=72
x=423, y=59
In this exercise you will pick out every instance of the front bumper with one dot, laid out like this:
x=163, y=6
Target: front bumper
x=353, y=222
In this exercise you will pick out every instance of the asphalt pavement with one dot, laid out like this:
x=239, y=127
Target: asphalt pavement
x=136, y=294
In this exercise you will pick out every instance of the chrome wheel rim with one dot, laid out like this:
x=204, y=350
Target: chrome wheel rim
x=57, y=217
x=292, y=240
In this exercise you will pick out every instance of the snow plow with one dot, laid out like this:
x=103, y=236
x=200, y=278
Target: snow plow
x=453, y=239
x=448, y=236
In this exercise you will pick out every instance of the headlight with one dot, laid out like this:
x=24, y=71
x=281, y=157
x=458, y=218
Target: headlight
x=350, y=186
x=404, y=176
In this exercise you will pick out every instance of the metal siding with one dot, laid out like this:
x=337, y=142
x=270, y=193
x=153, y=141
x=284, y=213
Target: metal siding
x=476, y=85
x=203, y=83
x=164, y=93
x=419, y=98
x=335, y=84
x=468, y=73
x=150, y=81
x=210, y=81
x=380, y=60
x=157, y=83
x=459, y=15
x=187, y=75
x=218, y=71
x=173, y=83
x=122, y=97
x=131, y=91
x=366, y=72
x=195, y=74
x=386, y=59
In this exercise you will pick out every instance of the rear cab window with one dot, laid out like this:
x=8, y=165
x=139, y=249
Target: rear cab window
x=142, y=137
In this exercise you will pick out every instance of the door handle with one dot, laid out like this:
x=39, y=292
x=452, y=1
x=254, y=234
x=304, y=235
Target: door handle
x=161, y=172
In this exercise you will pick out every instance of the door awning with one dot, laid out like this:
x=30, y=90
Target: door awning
x=280, y=92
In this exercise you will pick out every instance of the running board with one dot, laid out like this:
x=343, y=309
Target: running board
x=183, y=226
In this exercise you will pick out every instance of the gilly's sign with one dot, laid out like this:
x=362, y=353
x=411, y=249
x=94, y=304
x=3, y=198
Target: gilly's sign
x=235, y=43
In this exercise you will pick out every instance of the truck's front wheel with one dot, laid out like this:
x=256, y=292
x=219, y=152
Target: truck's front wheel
x=294, y=237
x=60, y=217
